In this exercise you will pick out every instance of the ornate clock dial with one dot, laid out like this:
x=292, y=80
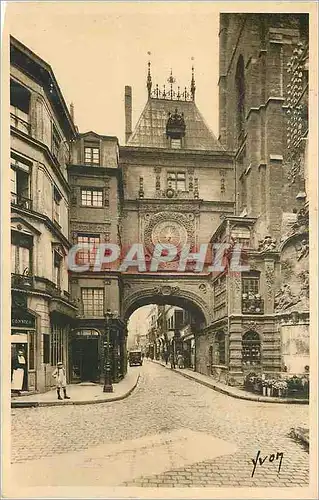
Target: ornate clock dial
x=169, y=232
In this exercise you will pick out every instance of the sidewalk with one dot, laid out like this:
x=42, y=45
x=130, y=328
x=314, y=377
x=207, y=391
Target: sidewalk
x=81, y=394
x=235, y=392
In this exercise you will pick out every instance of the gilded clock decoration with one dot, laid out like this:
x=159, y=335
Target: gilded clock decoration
x=169, y=232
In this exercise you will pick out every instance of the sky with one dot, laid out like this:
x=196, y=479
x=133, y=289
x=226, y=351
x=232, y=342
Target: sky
x=96, y=48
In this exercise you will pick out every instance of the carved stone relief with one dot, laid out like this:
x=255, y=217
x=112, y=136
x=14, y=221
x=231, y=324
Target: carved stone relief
x=270, y=276
x=165, y=290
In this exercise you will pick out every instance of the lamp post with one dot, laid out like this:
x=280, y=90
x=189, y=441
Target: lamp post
x=108, y=387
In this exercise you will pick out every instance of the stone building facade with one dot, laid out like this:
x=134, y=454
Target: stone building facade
x=261, y=316
x=95, y=209
x=41, y=131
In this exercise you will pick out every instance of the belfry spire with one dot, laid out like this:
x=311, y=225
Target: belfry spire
x=149, y=78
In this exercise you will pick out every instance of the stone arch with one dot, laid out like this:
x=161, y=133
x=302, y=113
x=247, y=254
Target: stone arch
x=170, y=295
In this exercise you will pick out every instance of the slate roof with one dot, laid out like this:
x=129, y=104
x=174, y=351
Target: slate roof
x=150, y=130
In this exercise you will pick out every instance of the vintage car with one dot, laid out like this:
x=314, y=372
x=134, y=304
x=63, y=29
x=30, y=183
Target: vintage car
x=135, y=358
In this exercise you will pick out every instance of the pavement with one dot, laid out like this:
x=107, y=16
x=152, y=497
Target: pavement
x=170, y=433
x=81, y=394
x=235, y=392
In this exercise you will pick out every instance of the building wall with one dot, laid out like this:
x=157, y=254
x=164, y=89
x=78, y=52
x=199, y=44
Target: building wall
x=33, y=215
x=102, y=222
x=265, y=42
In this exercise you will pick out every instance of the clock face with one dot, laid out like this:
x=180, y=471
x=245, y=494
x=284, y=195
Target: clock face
x=169, y=232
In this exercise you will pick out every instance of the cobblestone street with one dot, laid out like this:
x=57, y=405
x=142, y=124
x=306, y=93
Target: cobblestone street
x=169, y=419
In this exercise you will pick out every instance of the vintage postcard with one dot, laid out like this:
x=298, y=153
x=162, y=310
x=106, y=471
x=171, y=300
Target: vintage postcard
x=159, y=235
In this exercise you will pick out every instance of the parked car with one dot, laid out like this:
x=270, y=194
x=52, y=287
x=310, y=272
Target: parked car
x=135, y=358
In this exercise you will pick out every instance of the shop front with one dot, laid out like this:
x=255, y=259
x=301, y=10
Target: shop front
x=87, y=352
x=85, y=348
x=23, y=340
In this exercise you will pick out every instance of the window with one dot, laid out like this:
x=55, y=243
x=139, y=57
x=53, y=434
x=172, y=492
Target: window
x=91, y=155
x=56, y=205
x=250, y=287
x=19, y=107
x=92, y=197
x=219, y=349
x=57, y=344
x=87, y=255
x=57, y=261
x=93, y=301
x=31, y=350
x=20, y=184
x=56, y=141
x=179, y=315
x=46, y=348
x=21, y=253
x=176, y=180
x=251, y=348
x=176, y=143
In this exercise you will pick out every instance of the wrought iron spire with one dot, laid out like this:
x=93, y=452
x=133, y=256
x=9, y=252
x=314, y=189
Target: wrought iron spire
x=168, y=92
x=149, y=78
x=193, y=86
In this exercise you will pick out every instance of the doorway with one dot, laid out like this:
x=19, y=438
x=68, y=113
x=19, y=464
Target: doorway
x=85, y=360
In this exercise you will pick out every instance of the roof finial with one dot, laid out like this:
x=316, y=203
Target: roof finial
x=149, y=78
x=193, y=86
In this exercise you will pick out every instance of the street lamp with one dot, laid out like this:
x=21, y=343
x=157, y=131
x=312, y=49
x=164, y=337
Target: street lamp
x=108, y=387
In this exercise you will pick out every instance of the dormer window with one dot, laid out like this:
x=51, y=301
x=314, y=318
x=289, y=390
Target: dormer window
x=175, y=129
x=92, y=155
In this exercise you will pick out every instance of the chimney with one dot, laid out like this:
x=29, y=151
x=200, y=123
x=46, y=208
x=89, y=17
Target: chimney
x=128, y=112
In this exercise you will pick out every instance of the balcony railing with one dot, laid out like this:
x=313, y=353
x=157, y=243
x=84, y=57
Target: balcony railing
x=39, y=284
x=21, y=201
x=20, y=124
x=252, y=305
x=22, y=280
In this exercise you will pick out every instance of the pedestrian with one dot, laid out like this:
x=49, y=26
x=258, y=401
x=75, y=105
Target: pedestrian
x=172, y=360
x=166, y=357
x=180, y=360
x=18, y=371
x=60, y=376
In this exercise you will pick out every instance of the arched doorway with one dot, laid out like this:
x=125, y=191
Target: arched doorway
x=85, y=356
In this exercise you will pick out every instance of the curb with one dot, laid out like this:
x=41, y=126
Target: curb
x=300, y=435
x=260, y=399
x=40, y=404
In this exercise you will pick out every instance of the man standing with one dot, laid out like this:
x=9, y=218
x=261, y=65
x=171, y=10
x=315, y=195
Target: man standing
x=60, y=376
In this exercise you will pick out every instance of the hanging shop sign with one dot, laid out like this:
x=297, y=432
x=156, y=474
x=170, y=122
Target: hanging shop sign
x=21, y=318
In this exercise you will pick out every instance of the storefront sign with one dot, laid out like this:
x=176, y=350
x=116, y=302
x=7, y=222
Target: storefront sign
x=22, y=319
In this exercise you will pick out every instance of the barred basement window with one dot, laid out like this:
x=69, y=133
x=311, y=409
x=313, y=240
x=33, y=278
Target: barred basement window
x=56, y=344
